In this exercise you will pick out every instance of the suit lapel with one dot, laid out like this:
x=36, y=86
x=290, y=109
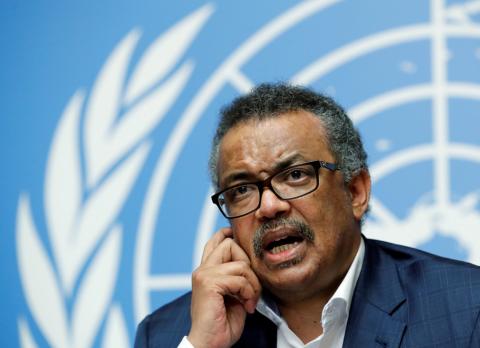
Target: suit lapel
x=378, y=312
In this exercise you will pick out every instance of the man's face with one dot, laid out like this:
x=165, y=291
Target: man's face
x=254, y=150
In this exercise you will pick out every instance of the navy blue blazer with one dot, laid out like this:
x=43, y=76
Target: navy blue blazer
x=403, y=298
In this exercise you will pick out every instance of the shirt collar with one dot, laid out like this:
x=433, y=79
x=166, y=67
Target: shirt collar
x=340, y=301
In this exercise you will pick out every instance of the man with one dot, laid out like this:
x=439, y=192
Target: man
x=293, y=269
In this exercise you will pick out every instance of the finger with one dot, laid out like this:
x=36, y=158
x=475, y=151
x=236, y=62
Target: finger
x=222, y=283
x=214, y=278
x=247, y=306
x=236, y=286
x=245, y=271
x=238, y=268
x=228, y=250
x=216, y=239
x=242, y=290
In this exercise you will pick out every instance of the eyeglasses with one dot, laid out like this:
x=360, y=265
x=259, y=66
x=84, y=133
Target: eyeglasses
x=292, y=182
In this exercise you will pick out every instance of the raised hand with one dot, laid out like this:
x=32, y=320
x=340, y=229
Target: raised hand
x=224, y=289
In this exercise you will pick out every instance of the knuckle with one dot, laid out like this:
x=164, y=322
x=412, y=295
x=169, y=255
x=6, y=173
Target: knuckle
x=228, y=242
x=242, y=284
x=195, y=275
x=198, y=275
x=244, y=266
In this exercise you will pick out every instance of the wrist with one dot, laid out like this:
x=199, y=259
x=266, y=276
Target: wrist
x=201, y=341
x=195, y=342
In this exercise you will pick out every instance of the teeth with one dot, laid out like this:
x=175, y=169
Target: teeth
x=280, y=248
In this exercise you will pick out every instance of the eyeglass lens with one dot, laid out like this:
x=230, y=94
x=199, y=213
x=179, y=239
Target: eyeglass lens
x=290, y=183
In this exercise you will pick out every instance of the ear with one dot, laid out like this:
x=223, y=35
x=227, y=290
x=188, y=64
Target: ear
x=359, y=188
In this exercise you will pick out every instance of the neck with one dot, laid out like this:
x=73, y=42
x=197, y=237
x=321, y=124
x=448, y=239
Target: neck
x=303, y=310
x=304, y=317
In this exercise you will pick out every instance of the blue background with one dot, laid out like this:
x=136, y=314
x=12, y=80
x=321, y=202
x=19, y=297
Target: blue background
x=49, y=50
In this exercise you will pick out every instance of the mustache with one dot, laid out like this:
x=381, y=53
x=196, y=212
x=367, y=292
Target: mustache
x=301, y=227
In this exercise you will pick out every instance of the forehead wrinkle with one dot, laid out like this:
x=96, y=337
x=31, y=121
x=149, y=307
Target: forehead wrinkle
x=282, y=163
x=257, y=148
x=290, y=160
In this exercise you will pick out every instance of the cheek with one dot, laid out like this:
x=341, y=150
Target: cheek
x=243, y=234
x=333, y=204
x=327, y=213
x=318, y=209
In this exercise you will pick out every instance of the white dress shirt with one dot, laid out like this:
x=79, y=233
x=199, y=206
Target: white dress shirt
x=334, y=315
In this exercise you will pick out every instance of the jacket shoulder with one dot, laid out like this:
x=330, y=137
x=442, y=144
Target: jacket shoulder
x=166, y=326
x=406, y=257
x=424, y=271
x=434, y=298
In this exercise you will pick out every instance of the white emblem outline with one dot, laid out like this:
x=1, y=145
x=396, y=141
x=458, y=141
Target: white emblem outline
x=440, y=90
x=230, y=72
x=84, y=237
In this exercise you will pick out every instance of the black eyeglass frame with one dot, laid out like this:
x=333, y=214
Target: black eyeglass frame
x=268, y=183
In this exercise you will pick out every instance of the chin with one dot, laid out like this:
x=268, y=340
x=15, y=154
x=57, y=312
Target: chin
x=291, y=276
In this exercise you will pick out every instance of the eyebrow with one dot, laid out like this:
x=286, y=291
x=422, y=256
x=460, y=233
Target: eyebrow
x=246, y=176
x=237, y=176
x=288, y=162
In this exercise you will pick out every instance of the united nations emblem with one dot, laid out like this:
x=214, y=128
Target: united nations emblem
x=411, y=83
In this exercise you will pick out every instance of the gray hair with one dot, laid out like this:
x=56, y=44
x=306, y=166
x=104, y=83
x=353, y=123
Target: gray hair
x=270, y=100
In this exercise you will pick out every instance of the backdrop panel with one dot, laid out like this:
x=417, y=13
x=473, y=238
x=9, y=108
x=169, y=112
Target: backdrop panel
x=108, y=109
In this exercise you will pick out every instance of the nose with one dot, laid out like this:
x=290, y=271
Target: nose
x=271, y=206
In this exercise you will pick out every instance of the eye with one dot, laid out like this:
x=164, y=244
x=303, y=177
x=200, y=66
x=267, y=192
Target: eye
x=240, y=190
x=296, y=174
x=238, y=193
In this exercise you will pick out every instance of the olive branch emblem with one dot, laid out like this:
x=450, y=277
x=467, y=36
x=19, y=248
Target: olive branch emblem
x=98, y=150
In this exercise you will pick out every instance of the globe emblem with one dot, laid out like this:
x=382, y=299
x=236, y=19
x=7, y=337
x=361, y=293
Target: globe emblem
x=420, y=197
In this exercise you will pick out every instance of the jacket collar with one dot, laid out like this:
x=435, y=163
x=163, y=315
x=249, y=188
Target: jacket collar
x=377, y=314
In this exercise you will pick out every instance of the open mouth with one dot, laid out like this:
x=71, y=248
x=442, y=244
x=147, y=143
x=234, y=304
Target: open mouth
x=283, y=244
